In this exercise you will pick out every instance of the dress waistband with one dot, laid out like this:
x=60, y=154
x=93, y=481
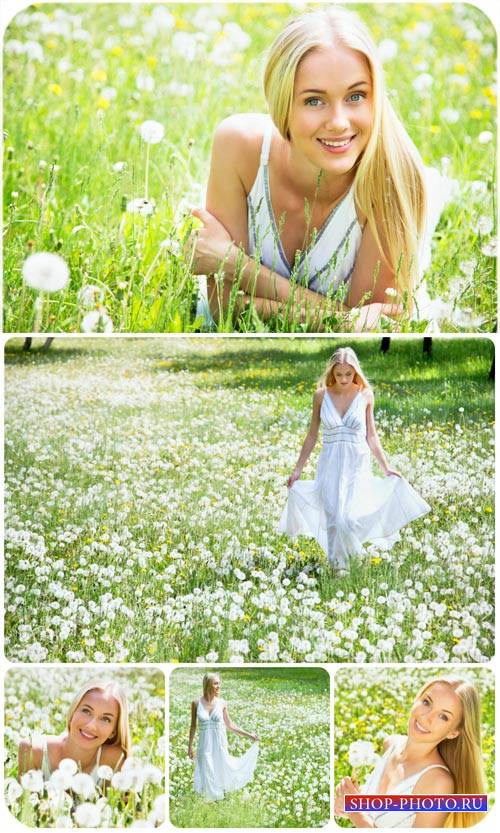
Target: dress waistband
x=342, y=434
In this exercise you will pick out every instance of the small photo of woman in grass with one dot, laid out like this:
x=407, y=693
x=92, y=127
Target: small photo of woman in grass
x=85, y=750
x=281, y=780
x=413, y=732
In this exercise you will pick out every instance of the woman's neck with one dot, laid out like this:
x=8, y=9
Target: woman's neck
x=413, y=752
x=71, y=749
x=312, y=183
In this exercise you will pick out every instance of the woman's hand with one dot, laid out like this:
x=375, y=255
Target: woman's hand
x=393, y=472
x=368, y=318
x=190, y=752
x=293, y=477
x=211, y=244
x=346, y=787
x=254, y=737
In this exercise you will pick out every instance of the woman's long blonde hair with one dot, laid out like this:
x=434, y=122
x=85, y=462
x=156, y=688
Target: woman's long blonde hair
x=122, y=733
x=344, y=355
x=463, y=755
x=389, y=184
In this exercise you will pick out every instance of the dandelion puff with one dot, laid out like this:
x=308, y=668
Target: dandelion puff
x=89, y=297
x=97, y=321
x=63, y=822
x=46, y=272
x=13, y=791
x=490, y=247
x=151, y=131
x=68, y=766
x=83, y=785
x=146, y=83
x=119, y=166
x=87, y=815
x=484, y=137
x=484, y=225
x=32, y=780
x=105, y=772
x=142, y=206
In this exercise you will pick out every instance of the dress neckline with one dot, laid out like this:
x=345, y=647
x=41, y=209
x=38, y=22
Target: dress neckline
x=342, y=418
x=416, y=775
x=217, y=700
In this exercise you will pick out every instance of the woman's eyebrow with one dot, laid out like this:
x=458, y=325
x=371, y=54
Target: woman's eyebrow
x=443, y=710
x=351, y=87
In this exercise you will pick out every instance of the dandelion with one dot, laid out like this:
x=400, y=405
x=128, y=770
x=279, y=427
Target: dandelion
x=450, y=115
x=484, y=137
x=97, y=321
x=83, y=785
x=13, y=790
x=33, y=780
x=151, y=132
x=423, y=82
x=146, y=83
x=87, y=815
x=62, y=822
x=90, y=296
x=45, y=272
x=387, y=49
x=105, y=772
x=142, y=206
x=391, y=292
x=490, y=247
x=484, y=225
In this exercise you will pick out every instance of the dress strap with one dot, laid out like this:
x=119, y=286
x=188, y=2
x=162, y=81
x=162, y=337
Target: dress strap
x=98, y=756
x=431, y=766
x=118, y=763
x=266, y=144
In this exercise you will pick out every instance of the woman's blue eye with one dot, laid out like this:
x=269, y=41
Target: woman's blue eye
x=356, y=97
x=313, y=101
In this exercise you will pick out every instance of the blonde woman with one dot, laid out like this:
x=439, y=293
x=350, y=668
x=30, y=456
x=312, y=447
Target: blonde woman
x=346, y=505
x=216, y=771
x=327, y=194
x=441, y=755
x=97, y=733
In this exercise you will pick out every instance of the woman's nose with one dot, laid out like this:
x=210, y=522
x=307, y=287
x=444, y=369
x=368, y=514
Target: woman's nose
x=336, y=119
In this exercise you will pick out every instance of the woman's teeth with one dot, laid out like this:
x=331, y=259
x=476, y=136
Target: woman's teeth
x=88, y=737
x=336, y=144
x=421, y=728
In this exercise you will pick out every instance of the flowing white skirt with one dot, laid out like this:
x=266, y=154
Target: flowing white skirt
x=217, y=772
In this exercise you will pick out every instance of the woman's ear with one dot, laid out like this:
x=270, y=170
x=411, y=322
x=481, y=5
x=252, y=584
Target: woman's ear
x=453, y=735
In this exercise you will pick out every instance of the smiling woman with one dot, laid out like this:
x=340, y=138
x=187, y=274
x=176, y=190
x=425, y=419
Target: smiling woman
x=440, y=755
x=321, y=206
x=97, y=737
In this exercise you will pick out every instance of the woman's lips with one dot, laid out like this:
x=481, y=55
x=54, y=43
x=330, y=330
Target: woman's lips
x=87, y=736
x=420, y=729
x=336, y=145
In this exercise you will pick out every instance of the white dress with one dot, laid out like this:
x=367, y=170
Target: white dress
x=403, y=818
x=216, y=771
x=346, y=505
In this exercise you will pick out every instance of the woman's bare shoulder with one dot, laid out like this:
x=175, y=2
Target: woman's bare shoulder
x=239, y=137
x=112, y=755
x=367, y=394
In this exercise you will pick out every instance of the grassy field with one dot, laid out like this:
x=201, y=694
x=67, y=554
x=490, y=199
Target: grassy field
x=372, y=703
x=289, y=710
x=79, y=80
x=37, y=701
x=145, y=479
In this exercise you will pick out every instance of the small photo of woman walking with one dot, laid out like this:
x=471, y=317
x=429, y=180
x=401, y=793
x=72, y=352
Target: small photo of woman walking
x=413, y=731
x=249, y=747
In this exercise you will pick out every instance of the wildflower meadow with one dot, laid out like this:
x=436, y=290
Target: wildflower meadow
x=144, y=480
x=289, y=709
x=36, y=703
x=373, y=703
x=109, y=113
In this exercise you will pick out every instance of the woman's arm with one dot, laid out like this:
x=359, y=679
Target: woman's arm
x=372, y=277
x=310, y=440
x=192, y=728
x=348, y=787
x=28, y=758
x=234, y=728
x=373, y=439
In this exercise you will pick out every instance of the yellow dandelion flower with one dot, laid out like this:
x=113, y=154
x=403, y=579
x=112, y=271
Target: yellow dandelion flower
x=174, y=661
x=461, y=69
x=56, y=89
x=151, y=61
x=51, y=44
x=434, y=128
x=476, y=114
x=488, y=509
x=99, y=74
x=103, y=104
x=116, y=51
x=376, y=559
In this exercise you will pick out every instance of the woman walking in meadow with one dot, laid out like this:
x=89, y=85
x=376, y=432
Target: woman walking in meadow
x=216, y=771
x=97, y=736
x=346, y=504
x=323, y=206
x=441, y=755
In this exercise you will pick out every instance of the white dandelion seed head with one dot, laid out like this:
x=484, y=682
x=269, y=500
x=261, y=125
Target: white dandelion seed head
x=83, y=785
x=32, y=780
x=105, y=772
x=97, y=321
x=151, y=131
x=68, y=766
x=45, y=272
x=87, y=815
x=141, y=206
x=90, y=296
x=484, y=137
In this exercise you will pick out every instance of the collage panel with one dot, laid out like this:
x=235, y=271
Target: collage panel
x=257, y=740
x=414, y=732
x=85, y=746
x=370, y=206
x=156, y=513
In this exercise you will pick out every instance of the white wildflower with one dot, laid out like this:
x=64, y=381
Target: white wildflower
x=151, y=132
x=46, y=272
x=142, y=206
x=97, y=321
x=32, y=780
x=87, y=815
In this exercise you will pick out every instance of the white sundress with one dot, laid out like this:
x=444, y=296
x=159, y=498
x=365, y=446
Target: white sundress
x=216, y=771
x=347, y=505
x=403, y=818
